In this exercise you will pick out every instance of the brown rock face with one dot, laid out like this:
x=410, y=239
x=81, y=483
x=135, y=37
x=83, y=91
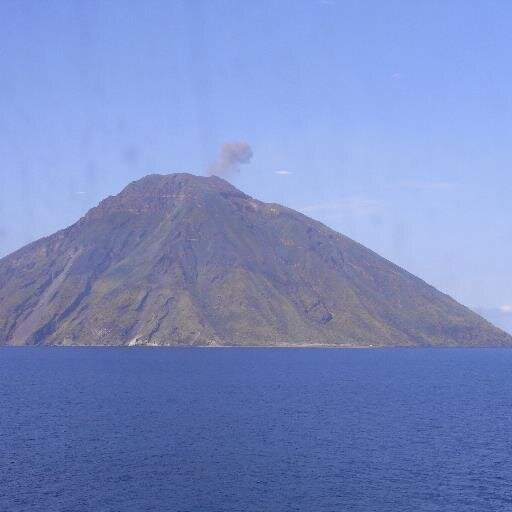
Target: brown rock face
x=187, y=260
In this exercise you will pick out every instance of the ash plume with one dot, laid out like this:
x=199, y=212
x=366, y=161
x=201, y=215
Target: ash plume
x=231, y=156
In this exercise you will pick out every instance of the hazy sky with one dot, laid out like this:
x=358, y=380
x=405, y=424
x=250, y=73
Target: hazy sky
x=389, y=121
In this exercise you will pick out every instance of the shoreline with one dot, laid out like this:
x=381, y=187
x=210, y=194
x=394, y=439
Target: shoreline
x=280, y=346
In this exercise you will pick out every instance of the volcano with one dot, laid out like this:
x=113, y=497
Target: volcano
x=185, y=260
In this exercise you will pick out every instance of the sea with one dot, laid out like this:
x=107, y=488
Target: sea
x=255, y=429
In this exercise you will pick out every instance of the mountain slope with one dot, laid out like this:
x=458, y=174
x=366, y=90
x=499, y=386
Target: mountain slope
x=186, y=260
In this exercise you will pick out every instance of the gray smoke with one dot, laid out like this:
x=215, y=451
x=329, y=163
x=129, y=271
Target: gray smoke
x=232, y=155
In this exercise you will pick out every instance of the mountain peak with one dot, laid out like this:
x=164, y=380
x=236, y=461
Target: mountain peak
x=163, y=183
x=180, y=259
x=158, y=192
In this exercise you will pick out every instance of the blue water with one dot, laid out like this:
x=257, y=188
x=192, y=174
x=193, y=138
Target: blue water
x=255, y=430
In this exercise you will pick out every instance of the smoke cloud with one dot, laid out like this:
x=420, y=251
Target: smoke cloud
x=232, y=155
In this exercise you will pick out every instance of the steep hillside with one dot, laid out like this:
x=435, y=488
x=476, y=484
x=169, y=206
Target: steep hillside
x=186, y=260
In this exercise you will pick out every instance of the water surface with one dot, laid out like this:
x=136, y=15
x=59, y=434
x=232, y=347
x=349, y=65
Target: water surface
x=110, y=430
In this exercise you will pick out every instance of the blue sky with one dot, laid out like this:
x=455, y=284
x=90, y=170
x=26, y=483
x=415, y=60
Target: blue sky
x=389, y=121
